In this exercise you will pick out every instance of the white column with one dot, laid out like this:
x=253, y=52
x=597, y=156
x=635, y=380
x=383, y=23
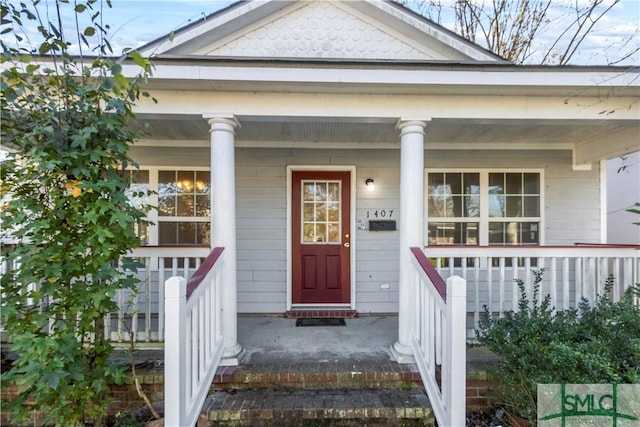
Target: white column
x=411, y=227
x=223, y=226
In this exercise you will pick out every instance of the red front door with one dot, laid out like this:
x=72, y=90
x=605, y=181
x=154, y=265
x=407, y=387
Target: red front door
x=321, y=270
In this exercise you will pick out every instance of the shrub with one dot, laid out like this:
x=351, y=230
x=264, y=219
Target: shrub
x=594, y=343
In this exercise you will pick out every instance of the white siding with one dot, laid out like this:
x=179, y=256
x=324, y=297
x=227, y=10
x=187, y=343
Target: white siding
x=261, y=210
x=571, y=211
x=571, y=214
x=623, y=191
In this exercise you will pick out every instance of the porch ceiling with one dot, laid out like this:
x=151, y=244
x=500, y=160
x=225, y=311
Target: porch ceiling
x=441, y=133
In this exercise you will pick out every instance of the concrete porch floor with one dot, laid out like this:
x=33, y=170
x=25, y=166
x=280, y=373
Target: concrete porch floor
x=276, y=339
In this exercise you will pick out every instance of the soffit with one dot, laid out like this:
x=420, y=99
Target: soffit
x=379, y=133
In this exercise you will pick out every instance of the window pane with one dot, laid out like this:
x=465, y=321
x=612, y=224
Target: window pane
x=185, y=206
x=203, y=182
x=308, y=212
x=514, y=183
x=334, y=212
x=138, y=189
x=167, y=183
x=321, y=192
x=321, y=212
x=166, y=205
x=308, y=192
x=472, y=183
x=142, y=232
x=203, y=233
x=334, y=232
x=436, y=205
x=514, y=206
x=531, y=206
x=435, y=180
x=451, y=233
x=455, y=207
x=472, y=206
x=308, y=235
x=321, y=233
x=496, y=233
x=514, y=233
x=496, y=183
x=496, y=205
x=186, y=233
x=334, y=192
x=168, y=233
x=454, y=182
x=529, y=233
x=203, y=206
x=532, y=183
x=185, y=182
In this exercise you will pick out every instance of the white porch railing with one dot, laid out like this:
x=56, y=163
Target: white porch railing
x=194, y=340
x=571, y=273
x=142, y=312
x=439, y=339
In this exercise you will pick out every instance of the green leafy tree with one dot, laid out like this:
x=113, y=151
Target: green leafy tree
x=66, y=220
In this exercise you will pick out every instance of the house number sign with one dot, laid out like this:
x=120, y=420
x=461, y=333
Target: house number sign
x=382, y=213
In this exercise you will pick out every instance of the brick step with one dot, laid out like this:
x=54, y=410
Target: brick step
x=319, y=407
x=352, y=374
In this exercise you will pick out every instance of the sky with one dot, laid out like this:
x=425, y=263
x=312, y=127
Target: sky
x=137, y=22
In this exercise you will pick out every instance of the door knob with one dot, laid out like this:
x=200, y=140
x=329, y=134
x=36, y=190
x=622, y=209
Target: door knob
x=346, y=245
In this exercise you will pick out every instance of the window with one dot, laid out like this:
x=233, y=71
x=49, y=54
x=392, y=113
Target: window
x=514, y=208
x=183, y=205
x=453, y=198
x=320, y=212
x=483, y=208
x=138, y=194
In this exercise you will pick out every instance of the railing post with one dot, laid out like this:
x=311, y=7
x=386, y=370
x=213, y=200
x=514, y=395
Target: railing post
x=456, y=360
x=175, y=391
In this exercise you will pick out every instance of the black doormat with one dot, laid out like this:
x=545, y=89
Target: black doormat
x=321, y=322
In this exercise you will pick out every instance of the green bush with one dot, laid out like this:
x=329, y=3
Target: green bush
x=595, y=343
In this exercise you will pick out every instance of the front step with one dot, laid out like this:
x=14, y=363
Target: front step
x=339, y=393
x=319, y=407
x=346, y=374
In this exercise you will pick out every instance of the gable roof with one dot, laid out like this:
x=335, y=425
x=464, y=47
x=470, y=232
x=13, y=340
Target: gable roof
x=372, y=30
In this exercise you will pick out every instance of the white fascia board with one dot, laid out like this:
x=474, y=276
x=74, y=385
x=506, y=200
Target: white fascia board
x=450, y=39
x=506, y=78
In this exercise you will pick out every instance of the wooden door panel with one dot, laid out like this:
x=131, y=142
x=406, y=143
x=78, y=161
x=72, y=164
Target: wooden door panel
x=321, y=263
x=332, y=272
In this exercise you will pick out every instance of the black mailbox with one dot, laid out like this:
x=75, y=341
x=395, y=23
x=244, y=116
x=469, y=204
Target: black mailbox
x=382, y=225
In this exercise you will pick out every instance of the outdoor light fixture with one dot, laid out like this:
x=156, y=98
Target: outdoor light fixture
x=370, y=185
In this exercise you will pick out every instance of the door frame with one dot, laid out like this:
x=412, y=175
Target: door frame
x=352, y=250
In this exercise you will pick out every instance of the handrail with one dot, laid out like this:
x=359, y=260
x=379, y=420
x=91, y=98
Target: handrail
x=194, y=340
x=436, y=280
x=439, y=339
x=201, y=273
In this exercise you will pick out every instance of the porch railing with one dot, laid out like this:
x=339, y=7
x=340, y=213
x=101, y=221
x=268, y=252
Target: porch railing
x=439, y=339
x=571, y=273
x=142, y=312
x=194, y=340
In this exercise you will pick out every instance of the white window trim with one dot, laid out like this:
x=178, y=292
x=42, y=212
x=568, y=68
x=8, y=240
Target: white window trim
x=484, y=219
